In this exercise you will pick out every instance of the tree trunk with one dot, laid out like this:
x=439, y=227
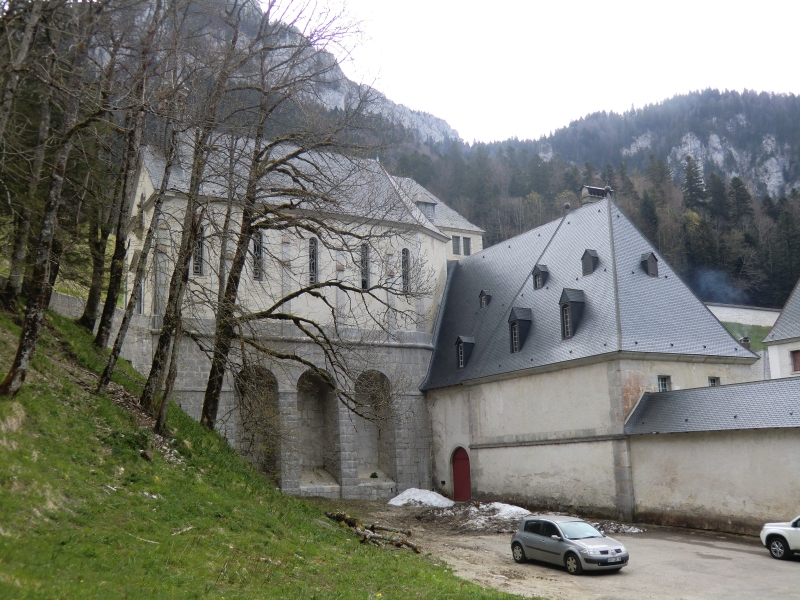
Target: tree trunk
x=100, y=231
x=141, y=267
x=161, y=421
x=34, y=313
x=22, y=230
x=117, y=269
x=15, y=68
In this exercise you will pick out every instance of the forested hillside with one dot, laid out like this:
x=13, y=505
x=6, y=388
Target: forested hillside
x=709, y=177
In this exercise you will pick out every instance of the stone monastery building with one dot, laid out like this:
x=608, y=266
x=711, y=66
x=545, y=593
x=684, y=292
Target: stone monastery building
x=567, y=368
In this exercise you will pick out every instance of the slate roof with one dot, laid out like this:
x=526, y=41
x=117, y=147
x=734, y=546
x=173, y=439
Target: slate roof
x=344, y=186
x=756, y=405
x=787, y=326
x=625, y=309
x=444, y=215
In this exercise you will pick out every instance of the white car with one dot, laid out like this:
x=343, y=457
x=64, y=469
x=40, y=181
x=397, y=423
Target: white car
x=782, y=539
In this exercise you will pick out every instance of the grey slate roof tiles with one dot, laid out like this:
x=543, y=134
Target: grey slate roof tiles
x=624, y=308
x=757, y=405
x=787, y=326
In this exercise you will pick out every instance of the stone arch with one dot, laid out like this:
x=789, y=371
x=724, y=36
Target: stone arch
x=259, y=435
x=377, y=453
x=318, y=429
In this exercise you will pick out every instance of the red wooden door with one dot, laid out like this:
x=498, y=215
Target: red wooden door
x=462, y=486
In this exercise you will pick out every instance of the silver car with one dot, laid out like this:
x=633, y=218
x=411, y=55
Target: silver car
x=567, y=541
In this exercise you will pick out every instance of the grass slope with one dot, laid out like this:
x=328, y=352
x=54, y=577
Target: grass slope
x=83, y=515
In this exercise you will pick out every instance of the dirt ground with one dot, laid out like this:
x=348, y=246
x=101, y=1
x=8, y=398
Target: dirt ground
x=664, y=563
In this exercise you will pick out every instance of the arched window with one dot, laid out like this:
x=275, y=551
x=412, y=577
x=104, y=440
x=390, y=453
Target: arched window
x=405, y=259
x=313, y=261
x=364, y=267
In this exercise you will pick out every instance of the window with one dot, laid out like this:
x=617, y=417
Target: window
x=364, y=267
x=141, y=212
x=405, y=266
x=566, y=322
x=428, y=209
x=514, y=336
x=313, y=263
x=456, y=245
x=540, y=273
x=549, y=529
x=713, y=382
x=795, y=360
x=589, y=260
x=484, y=298
x=533, y=527
x=664, y=383
x=650, y=264
x=139, y=306
x=199, y=250
x=258, y=257
x=460, y=351
x=537, y=281
x=466, y=246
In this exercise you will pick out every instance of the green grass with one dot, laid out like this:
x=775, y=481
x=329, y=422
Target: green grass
x=83, y=515
x=756, y=333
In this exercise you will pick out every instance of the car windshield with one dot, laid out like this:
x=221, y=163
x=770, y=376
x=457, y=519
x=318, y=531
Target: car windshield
x=578, y=530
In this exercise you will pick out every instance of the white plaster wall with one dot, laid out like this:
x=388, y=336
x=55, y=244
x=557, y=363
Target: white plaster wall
x=780, y=359
x=730, y=479
x=574, y=475
x=727, y=313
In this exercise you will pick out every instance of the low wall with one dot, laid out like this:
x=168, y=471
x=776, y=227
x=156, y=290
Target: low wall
x=726, y=480
x=747, y=315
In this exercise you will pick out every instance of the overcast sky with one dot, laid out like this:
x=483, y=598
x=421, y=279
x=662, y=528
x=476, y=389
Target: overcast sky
x=503, y=68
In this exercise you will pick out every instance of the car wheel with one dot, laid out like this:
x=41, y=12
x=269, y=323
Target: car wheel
x=573, y=564
x=778, y=547
x=518, y=553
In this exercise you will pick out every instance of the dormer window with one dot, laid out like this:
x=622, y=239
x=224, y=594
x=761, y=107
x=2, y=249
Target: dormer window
x=519, y=325
x=540, y=275
x=571, y=308
x=590, y=260
x=484, y=299
x=464, y=346
x=650, y=264
x=428, y=209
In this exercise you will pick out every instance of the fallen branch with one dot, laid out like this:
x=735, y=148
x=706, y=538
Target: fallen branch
x=142, y=539
x=367, y=535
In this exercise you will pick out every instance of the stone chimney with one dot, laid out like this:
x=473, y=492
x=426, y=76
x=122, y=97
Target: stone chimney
x=745, y=341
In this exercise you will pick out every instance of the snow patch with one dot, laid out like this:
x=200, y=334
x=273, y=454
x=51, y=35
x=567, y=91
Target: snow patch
x=417, y=497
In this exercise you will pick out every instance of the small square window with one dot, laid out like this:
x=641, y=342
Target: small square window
x=713, y=382
x=664, y=383
x=457, y=245
x=466, y=246
x=795, y=361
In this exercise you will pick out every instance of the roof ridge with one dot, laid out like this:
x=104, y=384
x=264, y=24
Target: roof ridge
x=503, y=318
x=783, y=310
x=614, y=274
x=407, y=204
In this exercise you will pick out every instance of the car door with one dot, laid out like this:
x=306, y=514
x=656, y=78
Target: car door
x=530, y=539
x=793, y=535
x=550, y=549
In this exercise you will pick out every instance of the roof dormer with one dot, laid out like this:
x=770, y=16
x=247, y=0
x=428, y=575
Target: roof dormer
x=650, y=264
x=590, y=260
x=484, y=298
x=464, y=346
x=519, y=325
x=540, y=275
x=571, y=306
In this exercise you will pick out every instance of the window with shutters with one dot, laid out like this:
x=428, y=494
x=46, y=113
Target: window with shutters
x=313, y=261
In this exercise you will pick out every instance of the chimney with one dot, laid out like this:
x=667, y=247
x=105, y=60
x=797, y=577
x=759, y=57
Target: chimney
x=745, y=341
x=590, y=194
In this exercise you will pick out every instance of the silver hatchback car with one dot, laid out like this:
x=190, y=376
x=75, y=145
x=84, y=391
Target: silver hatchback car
x=567, y=541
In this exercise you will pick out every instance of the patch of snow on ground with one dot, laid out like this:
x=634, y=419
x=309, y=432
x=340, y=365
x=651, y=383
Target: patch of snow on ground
x=506, y=511
x=417, y=497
